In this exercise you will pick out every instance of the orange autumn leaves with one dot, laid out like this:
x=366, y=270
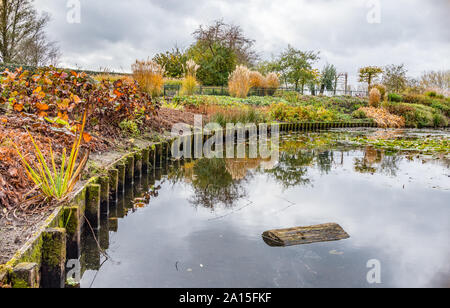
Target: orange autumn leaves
x=383, y=118
x=61, y=97
x=46, y=93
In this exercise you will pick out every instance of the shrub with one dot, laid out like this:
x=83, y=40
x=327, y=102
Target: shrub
x=272, y=83
x=382, y=90
x=359, y=114
x=285, y=113
x=396, y=98
x=432, y=94
x=442, y=106
x=417, y=99
x=58, y=95
x=150, y=76
x=257, y=80
x=239, y=82
x=374, y=98
x=417, y=115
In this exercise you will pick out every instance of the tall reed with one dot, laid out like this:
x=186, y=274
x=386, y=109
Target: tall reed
x=239, y=82
x=190, y=79
x=150, y=76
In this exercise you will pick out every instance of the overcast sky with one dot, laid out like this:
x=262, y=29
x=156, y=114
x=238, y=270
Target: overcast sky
x=114, y=33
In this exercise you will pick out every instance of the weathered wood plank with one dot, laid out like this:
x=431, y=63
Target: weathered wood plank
x=304, y=235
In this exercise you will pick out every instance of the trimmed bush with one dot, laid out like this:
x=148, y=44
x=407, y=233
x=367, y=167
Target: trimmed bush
x=396, y=98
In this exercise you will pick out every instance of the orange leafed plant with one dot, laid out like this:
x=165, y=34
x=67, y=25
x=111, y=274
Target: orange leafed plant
x=383, y=118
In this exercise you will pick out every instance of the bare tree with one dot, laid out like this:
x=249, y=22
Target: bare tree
x=230, y=36
x=394, y=78
x=22, y=36
x=436, y=80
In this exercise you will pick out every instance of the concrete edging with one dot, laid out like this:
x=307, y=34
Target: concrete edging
x=117, y=176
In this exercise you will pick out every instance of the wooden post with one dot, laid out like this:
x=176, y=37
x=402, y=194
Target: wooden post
x=121, y=176
x=129, y=169
x=145, y=159
x=113, y=175
x=104, y=195
x=53, y=258
x=93, y=205
x=25, y=276
x=71, y=221
x=137, y=165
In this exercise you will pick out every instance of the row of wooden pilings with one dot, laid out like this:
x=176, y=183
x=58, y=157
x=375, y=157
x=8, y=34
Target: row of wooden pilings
x=316, y=126
x=43, y=263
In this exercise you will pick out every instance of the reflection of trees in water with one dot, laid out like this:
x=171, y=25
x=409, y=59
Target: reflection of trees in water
x=390, y=164
x=292, y=168
x=214, y=185
x=378, y=161
x=325, y=161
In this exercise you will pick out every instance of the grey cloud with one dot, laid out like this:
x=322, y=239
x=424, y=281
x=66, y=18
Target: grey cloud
x=114, y=33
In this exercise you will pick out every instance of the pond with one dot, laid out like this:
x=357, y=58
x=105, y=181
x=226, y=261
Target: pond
x=202, y=226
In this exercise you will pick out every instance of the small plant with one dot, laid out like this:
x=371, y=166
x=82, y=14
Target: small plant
x=130, y=127
x=150, y=76
x=239, y=82
x=190, y=80
x=374, y=98
x=53, y=183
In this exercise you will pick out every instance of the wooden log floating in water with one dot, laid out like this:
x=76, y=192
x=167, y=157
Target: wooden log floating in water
x=305, y=235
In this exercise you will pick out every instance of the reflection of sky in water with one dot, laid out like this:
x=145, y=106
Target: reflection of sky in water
x=401, y=220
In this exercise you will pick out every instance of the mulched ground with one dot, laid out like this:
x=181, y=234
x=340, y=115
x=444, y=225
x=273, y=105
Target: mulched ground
x=17, y=223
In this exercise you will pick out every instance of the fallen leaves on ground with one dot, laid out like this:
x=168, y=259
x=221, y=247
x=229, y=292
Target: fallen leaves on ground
x=383, y=118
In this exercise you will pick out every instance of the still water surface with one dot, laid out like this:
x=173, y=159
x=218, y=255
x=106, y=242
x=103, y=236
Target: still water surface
x=203, y=224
